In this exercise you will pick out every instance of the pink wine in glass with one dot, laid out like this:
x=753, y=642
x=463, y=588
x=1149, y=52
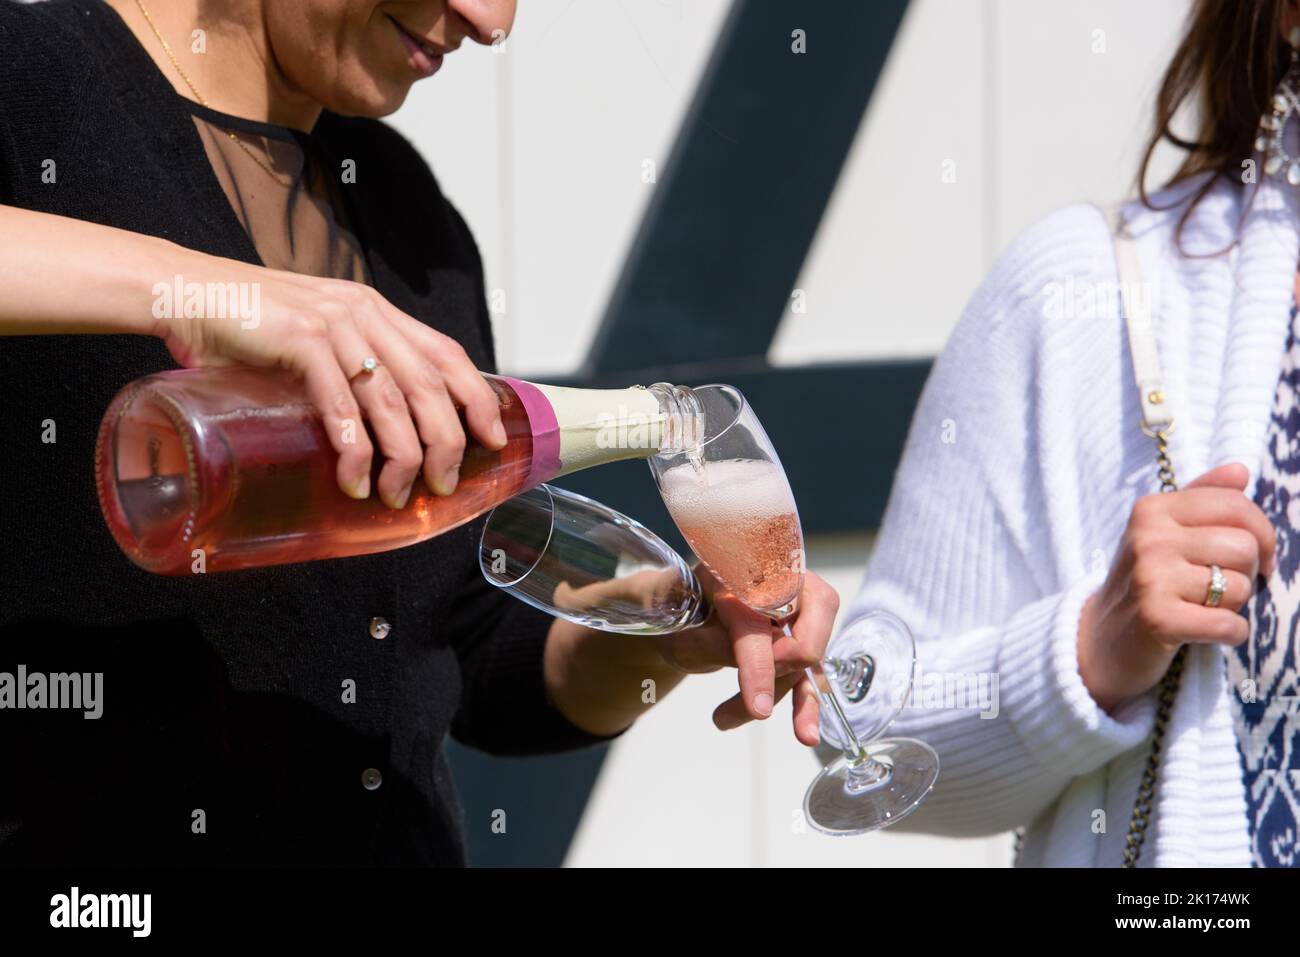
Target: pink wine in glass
x=740, y=520
x=207, y=470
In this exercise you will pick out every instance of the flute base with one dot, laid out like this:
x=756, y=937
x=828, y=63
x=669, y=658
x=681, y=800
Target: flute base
x=848, y=798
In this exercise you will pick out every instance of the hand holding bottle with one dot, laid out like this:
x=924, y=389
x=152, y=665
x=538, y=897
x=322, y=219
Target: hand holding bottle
x=107, y=280
x=1154, y=598
x=324, y=330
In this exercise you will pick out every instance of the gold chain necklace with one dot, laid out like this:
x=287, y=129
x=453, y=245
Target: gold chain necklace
x=202, y=102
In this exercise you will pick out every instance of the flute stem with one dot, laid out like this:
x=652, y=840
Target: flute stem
x=853, y=749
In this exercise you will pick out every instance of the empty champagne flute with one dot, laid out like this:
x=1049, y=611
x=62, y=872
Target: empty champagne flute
x=577, y=559
x=731, y=500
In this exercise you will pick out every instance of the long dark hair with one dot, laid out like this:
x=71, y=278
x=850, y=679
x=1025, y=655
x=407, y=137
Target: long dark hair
x=1230, y=60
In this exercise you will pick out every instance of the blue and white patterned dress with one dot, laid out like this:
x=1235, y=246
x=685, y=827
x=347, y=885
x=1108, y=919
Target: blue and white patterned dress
x=1268, y=727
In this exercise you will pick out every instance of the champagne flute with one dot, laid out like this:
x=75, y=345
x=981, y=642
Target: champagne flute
x=731, y=500
x=577, y=559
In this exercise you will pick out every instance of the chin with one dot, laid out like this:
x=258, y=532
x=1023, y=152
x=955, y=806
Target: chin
x=371, y=99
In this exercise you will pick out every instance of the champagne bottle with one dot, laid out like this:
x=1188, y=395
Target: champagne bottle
x=208, y=470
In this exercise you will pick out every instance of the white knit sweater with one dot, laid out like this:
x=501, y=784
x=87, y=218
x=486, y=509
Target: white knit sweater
x=1021, y=467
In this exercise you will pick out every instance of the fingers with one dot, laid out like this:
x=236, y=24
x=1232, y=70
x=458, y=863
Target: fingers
x=757, y=671
x=1232, y=475
x=1232, y=548
x=807, y=714
x=470, y=391
x=735, y=712
x=431, y=375
x=699, y=650
x=331, y=394
x=385, y=406
x=430, y=404
x=710, y=647
x=818, y=605
x=751, y=644
x=436, y=420
x=1194, y=586
x=736, y=636
x=464, y=384
x=1184, y=621
x=767, y=670
x=1200, y=507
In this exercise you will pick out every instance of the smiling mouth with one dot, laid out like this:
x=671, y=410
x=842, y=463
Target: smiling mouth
x=425, y=47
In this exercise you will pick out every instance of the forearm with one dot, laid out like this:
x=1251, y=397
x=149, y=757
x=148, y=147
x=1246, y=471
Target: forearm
x=60, y=275
x=603, y=682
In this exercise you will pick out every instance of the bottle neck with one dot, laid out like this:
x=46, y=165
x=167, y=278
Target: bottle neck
x=683, y=417
x=580, y=428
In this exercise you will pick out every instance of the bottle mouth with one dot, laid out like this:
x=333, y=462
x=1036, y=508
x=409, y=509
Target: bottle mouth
x=146, y=478
x=697, y=417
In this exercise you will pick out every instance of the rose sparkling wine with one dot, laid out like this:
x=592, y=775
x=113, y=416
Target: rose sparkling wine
x=208, y=470
x=740, y=519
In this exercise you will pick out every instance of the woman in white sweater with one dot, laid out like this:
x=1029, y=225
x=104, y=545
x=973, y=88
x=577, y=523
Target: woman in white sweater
x=1027, y=536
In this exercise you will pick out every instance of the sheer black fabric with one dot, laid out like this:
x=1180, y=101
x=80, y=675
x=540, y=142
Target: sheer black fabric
x=286, y=193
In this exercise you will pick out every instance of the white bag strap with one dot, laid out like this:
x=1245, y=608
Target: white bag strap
x=1156, y=416
x=1157, y=422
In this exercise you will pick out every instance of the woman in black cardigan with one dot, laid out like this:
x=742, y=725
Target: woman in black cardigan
x=210, y=139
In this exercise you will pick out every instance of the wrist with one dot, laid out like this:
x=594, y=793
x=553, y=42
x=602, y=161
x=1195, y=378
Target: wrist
x=1117, y=662
x=638, y=657
x=158, y=268
x=603, y=682
x=126, y=282
x=1092, y=664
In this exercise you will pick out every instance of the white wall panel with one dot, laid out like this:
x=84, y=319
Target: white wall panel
x=1012, y=94
x=542, y=145
x=902, y=243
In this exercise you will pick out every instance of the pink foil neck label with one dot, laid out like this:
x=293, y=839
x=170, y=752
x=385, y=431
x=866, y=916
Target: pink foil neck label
x=545, y=427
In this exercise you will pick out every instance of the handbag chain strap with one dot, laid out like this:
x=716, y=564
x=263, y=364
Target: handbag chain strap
x=1137, y=825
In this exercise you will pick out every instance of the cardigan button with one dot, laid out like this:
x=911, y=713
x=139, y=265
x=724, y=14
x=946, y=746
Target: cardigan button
x=371, y=779
x=379, y=628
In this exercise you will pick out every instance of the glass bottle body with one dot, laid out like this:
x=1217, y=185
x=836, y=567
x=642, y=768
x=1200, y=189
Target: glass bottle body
x=207, y=470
